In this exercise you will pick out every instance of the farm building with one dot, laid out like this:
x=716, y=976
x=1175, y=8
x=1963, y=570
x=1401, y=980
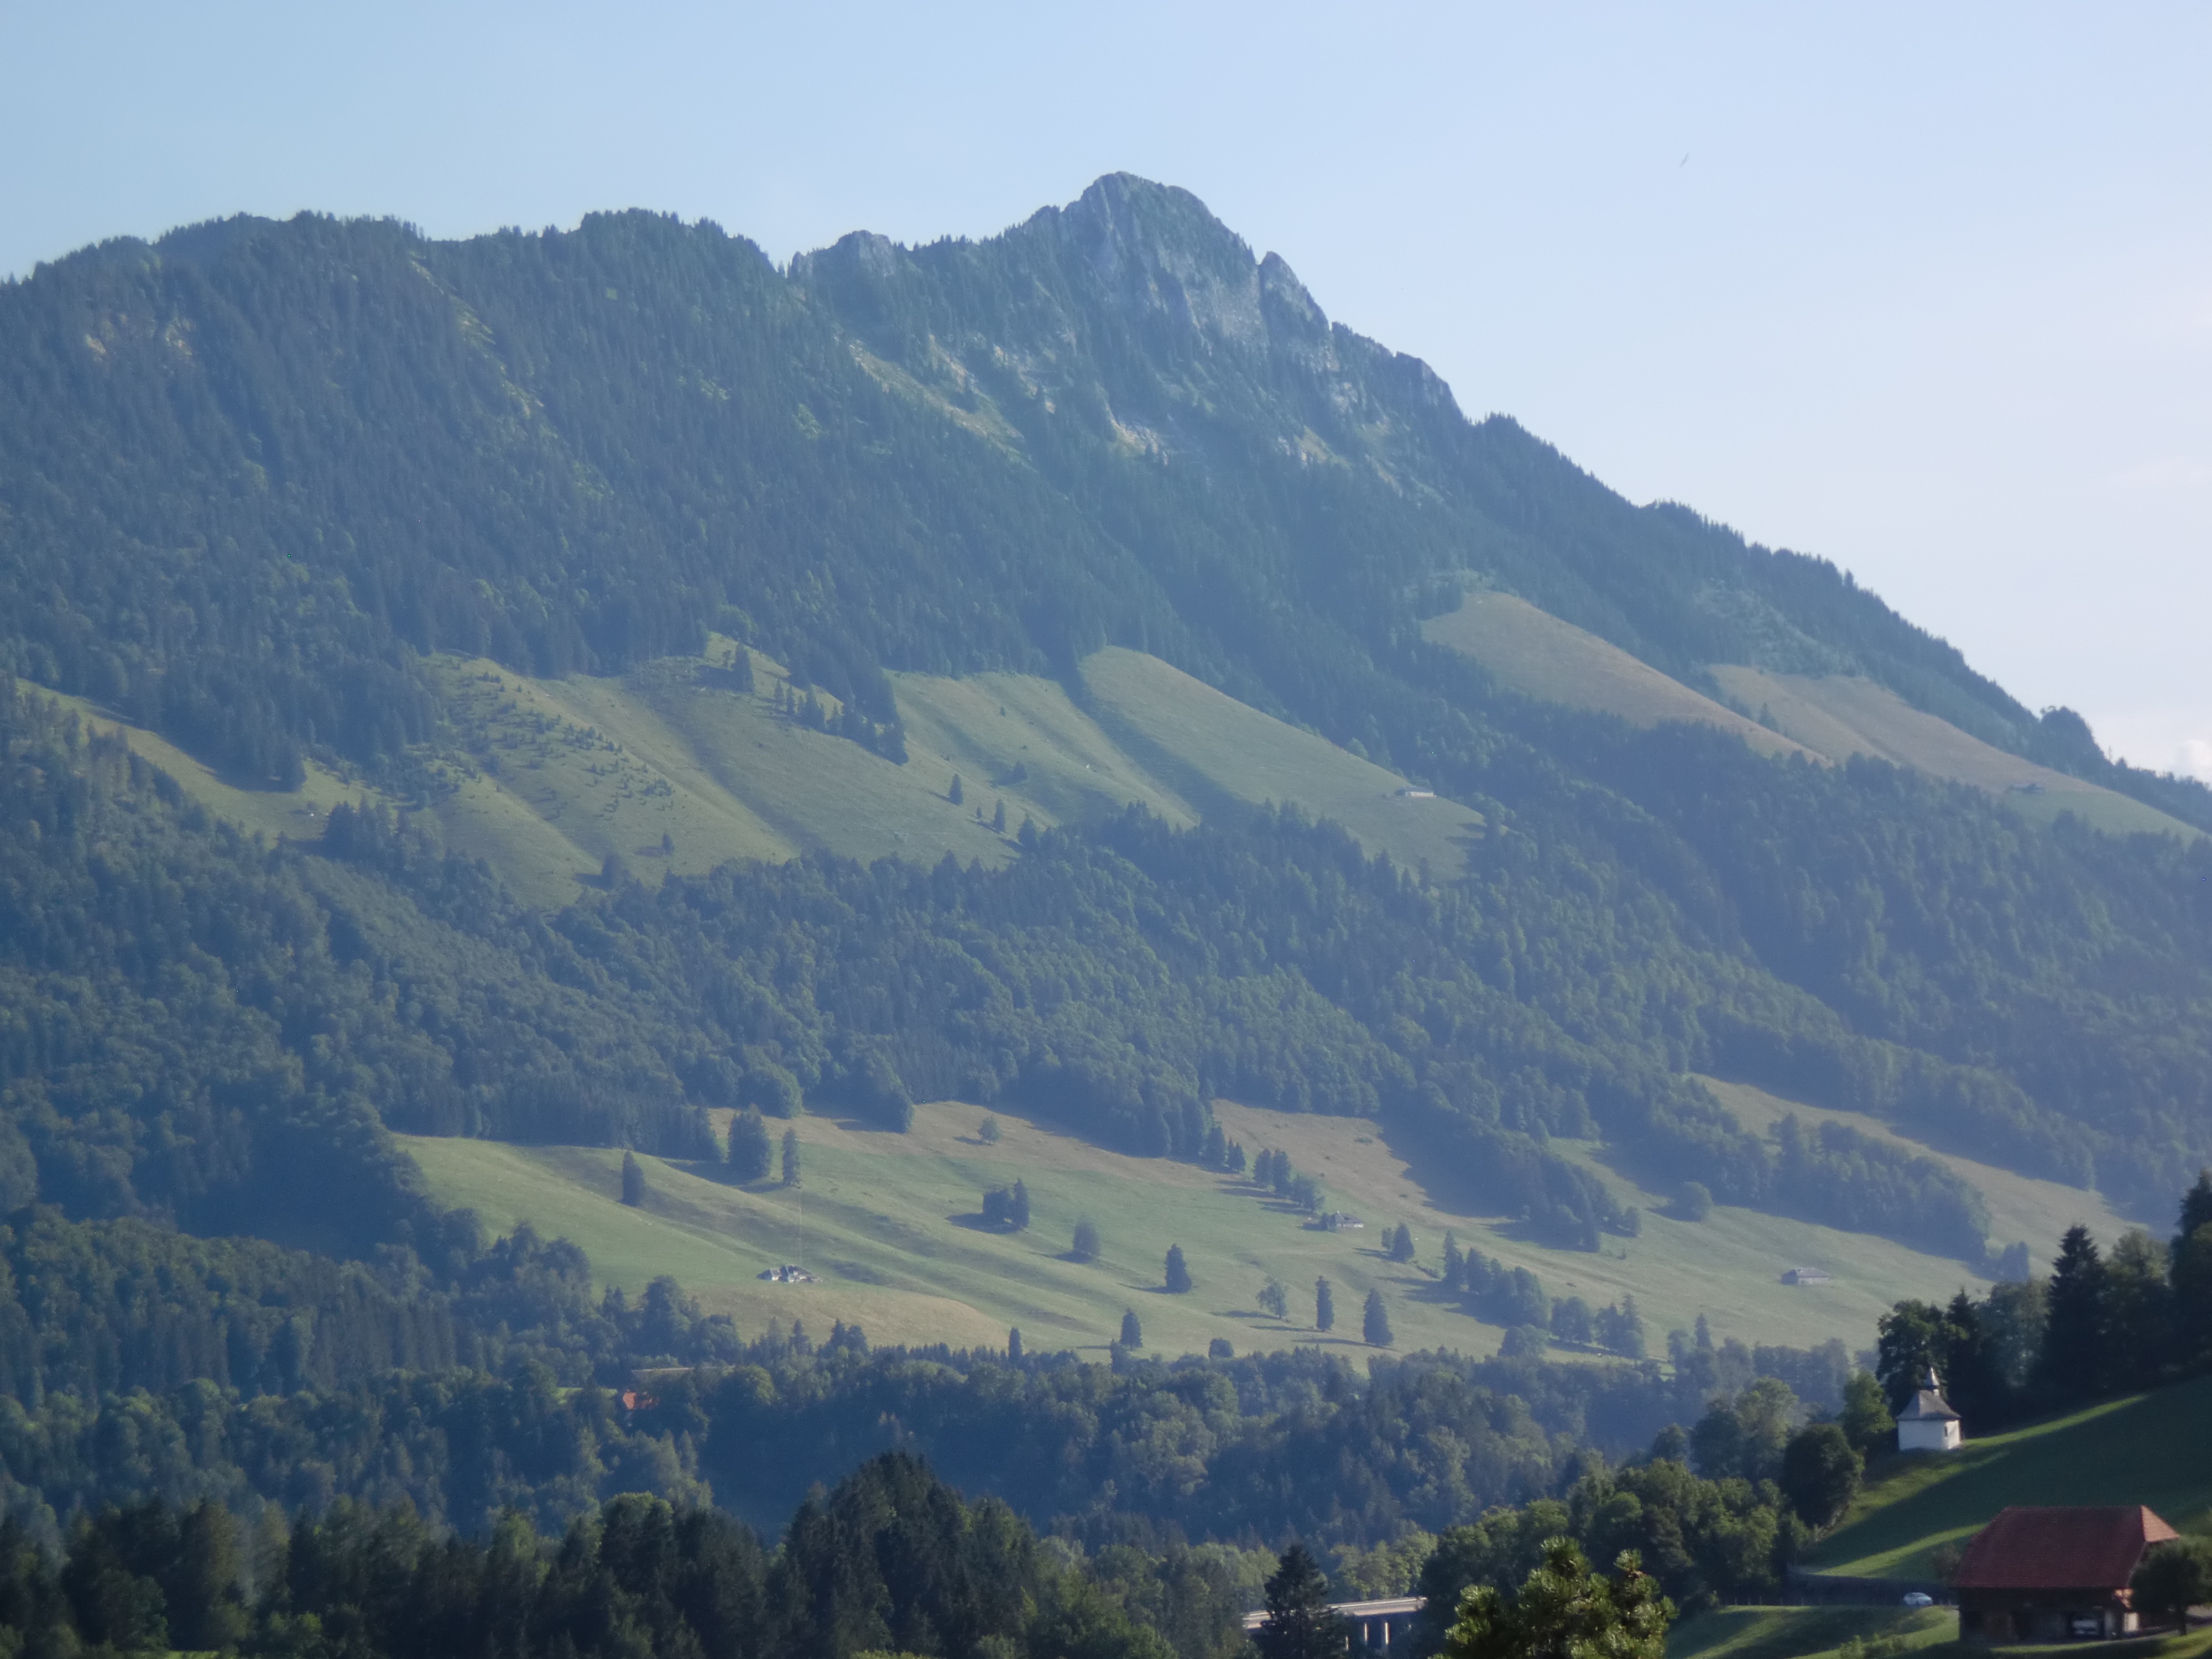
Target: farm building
x=2054, y=1574
x=1927, y=1423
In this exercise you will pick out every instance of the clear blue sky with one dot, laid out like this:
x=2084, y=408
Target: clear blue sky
x=1930, y=295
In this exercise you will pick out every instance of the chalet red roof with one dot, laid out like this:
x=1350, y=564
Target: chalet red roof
x=2088, y=1548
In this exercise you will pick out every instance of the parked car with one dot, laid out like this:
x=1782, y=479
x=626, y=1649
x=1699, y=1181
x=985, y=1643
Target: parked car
x=1919, y=1599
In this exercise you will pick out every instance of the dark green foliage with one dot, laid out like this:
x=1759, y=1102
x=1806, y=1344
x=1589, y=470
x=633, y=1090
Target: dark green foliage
x=1274, y=1299
x=1177, y=1274
x=1220, y=1347
x=890, y=1559
x=1375, y=1322
x=750, y=1154
x=790, y=1171
x=771, y=1088
x=1014, y=1345
x=1695, y=1202
x=988, y=1133
x=1865, y=1419
x=1820, y=1474
x=2174, y=1577
x=1564, y=1607
x=1133, y=1334
x=1619, y=1328
x=1300, y=1624
x=2079, y=1329
x=1086, y=1245
x=633, y=1180
x=1401, y=1244
x=1324, y=1306
x=1571, y=1322
x=1009, y=1208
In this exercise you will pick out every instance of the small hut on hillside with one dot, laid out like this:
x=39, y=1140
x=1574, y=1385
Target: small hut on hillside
x=2054, y=1574
x=1927, y=1423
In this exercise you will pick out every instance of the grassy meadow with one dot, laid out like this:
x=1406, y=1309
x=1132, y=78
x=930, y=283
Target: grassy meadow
x=891, y=1226
x=2146, y=1449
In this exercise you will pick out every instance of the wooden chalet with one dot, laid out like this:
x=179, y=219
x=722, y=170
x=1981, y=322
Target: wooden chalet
x=2054, y=1574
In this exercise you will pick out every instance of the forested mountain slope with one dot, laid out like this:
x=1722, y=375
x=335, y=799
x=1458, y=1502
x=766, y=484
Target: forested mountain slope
x=308, y=491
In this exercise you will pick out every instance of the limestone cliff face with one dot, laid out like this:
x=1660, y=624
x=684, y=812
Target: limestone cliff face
x=1134, y=307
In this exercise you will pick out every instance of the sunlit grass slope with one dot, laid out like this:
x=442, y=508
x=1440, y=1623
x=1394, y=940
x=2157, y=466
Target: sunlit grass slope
x=1753, y=1633
x=298, y=813
x=1841, y=716
x=2147, y=1449
x=2020, y=1207
x=1216, y=751
x=1532, y=652
x=891, y=1225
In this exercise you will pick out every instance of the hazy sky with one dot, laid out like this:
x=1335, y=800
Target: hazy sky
x=1927, y=290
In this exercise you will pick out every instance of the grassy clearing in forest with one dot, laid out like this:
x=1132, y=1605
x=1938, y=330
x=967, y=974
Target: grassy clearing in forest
x=891, y=1223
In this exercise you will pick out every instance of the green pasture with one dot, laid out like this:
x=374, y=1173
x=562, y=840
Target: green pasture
x=2151, y=1449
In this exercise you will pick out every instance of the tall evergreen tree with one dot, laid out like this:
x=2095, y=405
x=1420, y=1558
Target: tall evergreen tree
x=791, y=1157
x=633, y=1180
x=1178, y=1273
x=1324, y=1306
x=2077, y=1337
x=1133, y=1334
x=750, y=1152
x=1300, y=1624
x=1375, y=1322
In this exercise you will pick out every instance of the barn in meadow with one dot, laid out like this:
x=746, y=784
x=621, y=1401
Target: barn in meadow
x=2054, y=1574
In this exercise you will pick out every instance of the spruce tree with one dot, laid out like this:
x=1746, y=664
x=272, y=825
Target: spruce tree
x=1087, y=1241
x=1017, y=1207
x=1324, y=1306
x=1401, y=1244
x=1178, y=1273
x=956, y=794
x=750, y=1154
x=1014, y=1345
x=1375, y=1323
x=791, y=1157
x=2078, y=1333
x=1300, y=1623
x=633, y=1180
x=1133, y=1334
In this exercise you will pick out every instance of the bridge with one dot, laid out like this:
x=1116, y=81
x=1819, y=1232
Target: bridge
x=1377, y=1626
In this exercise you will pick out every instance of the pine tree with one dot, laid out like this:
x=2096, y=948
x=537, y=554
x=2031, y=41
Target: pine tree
x=1087, y=1241
x=1375, y=1324
x=1014, y=1345
x=999, y=818
x=1133, y=1334
x=750, y=1152
x=1215, y=1155
x=1401, y=1244
x=956, y=794
x=1017, y=1207
x=1178, y=1275
x=1455, y=1263
x=1324, y=1306
x=791, y=1157
x=633, y=1180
